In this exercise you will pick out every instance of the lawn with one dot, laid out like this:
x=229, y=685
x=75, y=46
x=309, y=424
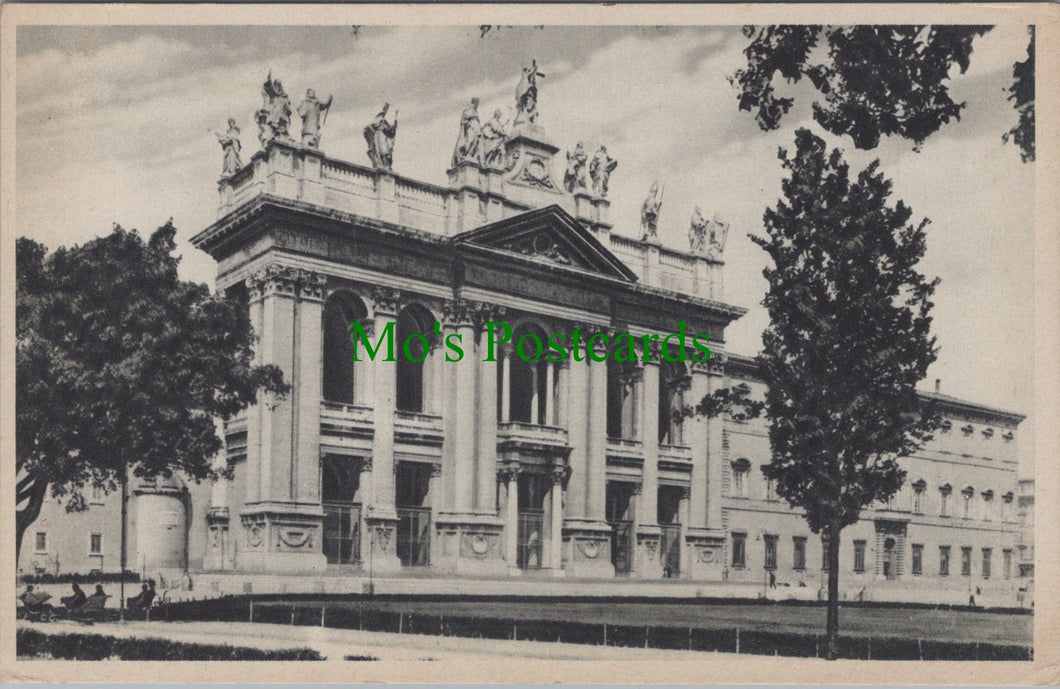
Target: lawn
x=909, y=623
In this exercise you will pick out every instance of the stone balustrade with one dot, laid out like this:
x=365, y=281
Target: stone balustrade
x=475, y=196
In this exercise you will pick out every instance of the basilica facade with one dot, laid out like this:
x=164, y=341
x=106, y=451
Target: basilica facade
x=502, y=464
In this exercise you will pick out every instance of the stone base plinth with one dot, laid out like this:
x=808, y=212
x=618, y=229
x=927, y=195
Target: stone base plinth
x=220, y=554
x=706, y=555
x=279, y=537
x=379, y=545
x=587, y=549
x=468, y=544
x=647, y=563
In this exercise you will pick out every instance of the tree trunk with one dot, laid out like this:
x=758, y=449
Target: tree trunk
x=31, y=490
x=832, y=624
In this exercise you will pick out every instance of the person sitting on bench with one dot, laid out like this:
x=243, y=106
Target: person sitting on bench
x=142, y=600
x=35, y=604
x=75, y=601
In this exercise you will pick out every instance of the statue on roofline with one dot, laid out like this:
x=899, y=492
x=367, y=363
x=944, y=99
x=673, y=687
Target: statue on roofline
x=274, y=116
x=649, y=212
x=574, y=177
x=380, y=136
x=492, y=137
x=719, y=232
x=600, y=170
x=314, y=114
x=526, y=95
x=697, y=233
x=230, y=145
x=467, y=141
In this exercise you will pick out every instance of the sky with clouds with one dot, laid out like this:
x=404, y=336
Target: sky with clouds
x=114, y=125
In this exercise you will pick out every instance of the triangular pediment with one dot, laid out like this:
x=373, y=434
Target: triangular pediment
x=549, y=234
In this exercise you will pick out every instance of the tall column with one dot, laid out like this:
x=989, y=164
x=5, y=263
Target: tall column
x=458, y=319
x=555, y=543
x=696, y=438
x=486, y=472
x=563, y=394
x=577, y=433
x=648, y=531
x=550, y=394
x=715, y=446
x=384, y=403
x=585, y=528
x=506, y=381
x=282, y=518
x=305, y=489
x=596, y=443
x=255, y=289
x=510, y=475
x=381, y=516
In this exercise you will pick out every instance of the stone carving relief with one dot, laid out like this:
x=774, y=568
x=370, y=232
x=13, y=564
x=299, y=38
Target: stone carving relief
x=383, y=536
x=541, y=245
x=255, y=534
x=478, y=545
x=294, y=537
x=589, y=549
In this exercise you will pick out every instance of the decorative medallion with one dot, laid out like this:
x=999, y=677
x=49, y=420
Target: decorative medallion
x=255, y=534
x=382, y=537
x=590, y=549
x=295, y=538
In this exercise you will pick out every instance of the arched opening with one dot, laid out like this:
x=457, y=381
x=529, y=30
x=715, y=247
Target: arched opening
x=340, y=309
x=411, y=381
x=673, y=382
x=528, y=370
x=340, y=483
x=741, y=473
x=889, y=563
x=621, y=399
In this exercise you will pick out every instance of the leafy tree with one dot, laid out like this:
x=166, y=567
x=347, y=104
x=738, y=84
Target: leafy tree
x=848, y=341
x=875, y=80
x=121, y=366
x=1021, y=93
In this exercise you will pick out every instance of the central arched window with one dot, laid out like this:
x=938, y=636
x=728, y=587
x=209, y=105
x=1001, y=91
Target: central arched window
x=621, y=399
x=528, y=369
x=673, y=382
x=340, y=309
x=415, y=328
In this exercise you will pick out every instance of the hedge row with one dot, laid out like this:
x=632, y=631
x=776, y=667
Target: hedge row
x=31, y=643
x=724, y=640
x=97, y=578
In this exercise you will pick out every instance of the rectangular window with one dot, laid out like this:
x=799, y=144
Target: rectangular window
x=966, y=562
x=987, y=552
x=918, y=558
x=771, y=551
x=41, y=542
x=799, y=553
x=824, y=554
x=97, y=495
x=739, y=483
x=1007, y=555
x=859, y=556
x=739, y=550
x=95, y=544
x=771, y=493
x=918, y=502
x=944, y=504
x=944, y=560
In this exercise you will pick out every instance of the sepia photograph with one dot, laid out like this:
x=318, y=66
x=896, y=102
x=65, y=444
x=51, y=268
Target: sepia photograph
x=696, y=351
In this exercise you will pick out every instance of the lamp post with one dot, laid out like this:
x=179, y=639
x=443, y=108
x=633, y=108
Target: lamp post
x=121, y=576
